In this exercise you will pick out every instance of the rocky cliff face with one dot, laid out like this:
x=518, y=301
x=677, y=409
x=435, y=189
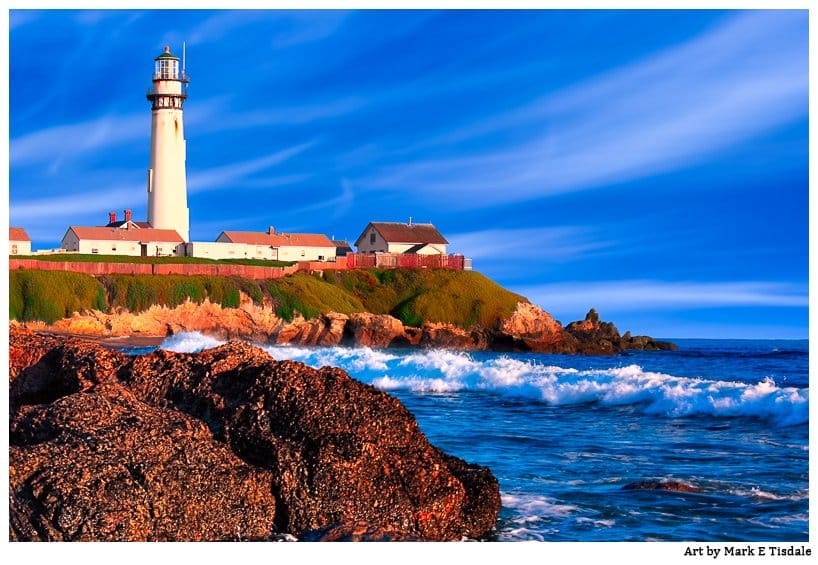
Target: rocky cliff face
x=225, y=444
x=528, y=328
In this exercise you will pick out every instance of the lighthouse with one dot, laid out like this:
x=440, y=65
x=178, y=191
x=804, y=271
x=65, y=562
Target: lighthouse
x=167, y=184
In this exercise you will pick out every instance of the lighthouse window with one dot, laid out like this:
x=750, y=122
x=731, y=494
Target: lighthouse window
x=166, y=68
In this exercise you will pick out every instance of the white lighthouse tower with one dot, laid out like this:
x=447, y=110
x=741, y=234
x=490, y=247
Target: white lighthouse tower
x=167, y=185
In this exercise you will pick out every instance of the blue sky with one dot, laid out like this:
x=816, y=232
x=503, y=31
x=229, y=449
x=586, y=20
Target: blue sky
x=651, y=164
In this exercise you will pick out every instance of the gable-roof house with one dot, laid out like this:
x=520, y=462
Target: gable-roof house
x=395, y=237
x=19, y=242
x=145, y=242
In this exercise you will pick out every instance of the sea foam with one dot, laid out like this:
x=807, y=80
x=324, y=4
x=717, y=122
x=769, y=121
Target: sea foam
x=444, y=371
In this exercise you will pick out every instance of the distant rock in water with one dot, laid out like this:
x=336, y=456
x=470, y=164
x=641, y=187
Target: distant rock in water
x=225, y=444
x=675, y=486
x=603, y=337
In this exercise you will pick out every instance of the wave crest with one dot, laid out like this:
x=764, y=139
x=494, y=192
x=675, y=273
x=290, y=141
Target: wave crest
x=443, y=371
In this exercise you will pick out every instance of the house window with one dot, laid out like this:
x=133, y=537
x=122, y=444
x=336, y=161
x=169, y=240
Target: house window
x=372, y=238
x=14, y=250
x=113, y=248
x=302, y=253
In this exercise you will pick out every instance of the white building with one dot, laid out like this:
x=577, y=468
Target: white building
x=394, y=237
x=19, y=242
x=283, y=246
x=133, y=241
x=226, y=250
x=167, y=184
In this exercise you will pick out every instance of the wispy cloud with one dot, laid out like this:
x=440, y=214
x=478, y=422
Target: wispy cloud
x=275, y=181
x=93, y=17
x=672, y=110
x=51, y=146
x=91, y=206
x=224, y=178
x=216, y=27
x=284, y=28
x=305, y=27
x=338, y=205
x=287, y=115
x=642, y=295
x=54, y=144
x=553, y=243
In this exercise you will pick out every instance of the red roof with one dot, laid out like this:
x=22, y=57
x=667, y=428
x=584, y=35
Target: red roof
x=18, y=234
x=119, y=234
x=395, y=232
x=130, y=223
x=279, y=239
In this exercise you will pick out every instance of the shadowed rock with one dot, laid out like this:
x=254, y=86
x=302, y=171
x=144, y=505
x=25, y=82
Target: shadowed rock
x=102, y=466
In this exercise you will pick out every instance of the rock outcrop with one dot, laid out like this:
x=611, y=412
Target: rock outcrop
x=223, y=444
x=668, y=485
x=324, y=330
x=378, y=330
x=598, y=337
x=528, y=328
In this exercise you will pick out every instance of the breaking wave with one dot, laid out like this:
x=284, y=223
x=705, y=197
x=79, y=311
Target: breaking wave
x=444, y=371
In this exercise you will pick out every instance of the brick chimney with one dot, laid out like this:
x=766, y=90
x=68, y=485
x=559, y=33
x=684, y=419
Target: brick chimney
x=128, y=215
x=271, y=230
x=111, y=217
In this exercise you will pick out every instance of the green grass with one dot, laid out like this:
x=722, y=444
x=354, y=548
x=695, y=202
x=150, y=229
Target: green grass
x=139, y=292
x=85, y=258
x=311, y=296
x=52, y=295
x=415, y=296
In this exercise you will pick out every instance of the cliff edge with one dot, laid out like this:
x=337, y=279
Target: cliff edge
x=390, y=308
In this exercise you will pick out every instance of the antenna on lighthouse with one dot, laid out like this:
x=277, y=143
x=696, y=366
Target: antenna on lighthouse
x=183, y=58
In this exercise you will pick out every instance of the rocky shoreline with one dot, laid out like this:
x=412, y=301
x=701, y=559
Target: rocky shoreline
x=226, y=444
x=528, y=328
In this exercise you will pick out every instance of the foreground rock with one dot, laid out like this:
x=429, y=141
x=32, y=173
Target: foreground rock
x=225, y=444
x=103, y=466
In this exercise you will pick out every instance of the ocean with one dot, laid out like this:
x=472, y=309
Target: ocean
x=565, y=435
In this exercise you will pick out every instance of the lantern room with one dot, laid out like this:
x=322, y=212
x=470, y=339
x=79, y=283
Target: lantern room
x=166, y=66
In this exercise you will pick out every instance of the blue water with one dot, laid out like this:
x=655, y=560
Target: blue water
x=565, y=434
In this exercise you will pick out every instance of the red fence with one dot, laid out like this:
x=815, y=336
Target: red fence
x=351, y=261
x=90, y=268
x=396, y=260
x=83, y=267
